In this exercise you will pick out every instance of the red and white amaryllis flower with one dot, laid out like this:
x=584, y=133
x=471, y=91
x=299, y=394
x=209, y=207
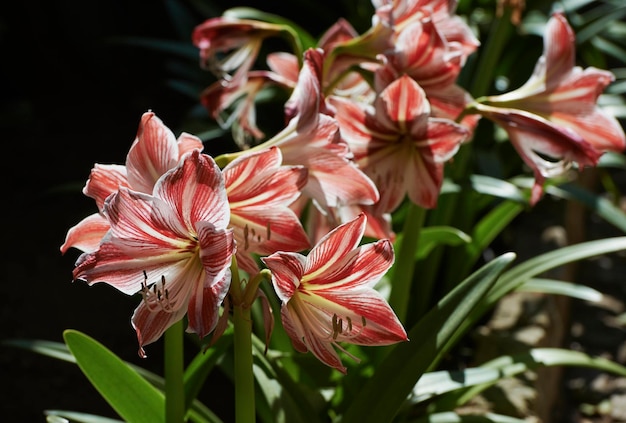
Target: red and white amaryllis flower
x=173, y=247
x=154, y=151
x=401, y=13
x=311, y=139
x=398, y=145
x=260, y=192
x=229, y=46
x=329, y=297
x=232, y=104
x=555, y=113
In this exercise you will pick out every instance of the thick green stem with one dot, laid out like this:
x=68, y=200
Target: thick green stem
x=174, y=367
x=244, y=378
x=405, y=261
x=245, y=411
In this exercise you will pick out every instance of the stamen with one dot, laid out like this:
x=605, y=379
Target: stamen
x=348, y=331
x=335, y=327
x=245, y=237
x=269, y=232
x=156, y=298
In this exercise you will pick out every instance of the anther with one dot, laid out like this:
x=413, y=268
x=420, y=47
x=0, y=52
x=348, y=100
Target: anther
x=245, y=237
x=156, y=297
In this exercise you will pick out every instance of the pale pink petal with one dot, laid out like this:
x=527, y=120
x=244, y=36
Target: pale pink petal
x=559, y=49
x=287, y=270
x=355, y=129
x=602, y=131
x=258, y=179
x=334, y=181
x=284, y=64
x=363, y=316
x=203, y=311
x=532, y=135
x=145, y=225
x=153, y=153
x=389, y=169
x=450, y=102
x=87, y=234
x=216, y=248
x=422, y=53
x=306, y=97
x=187, y=143
x=196, y=191
x=103, y=181
x=424, y=178
x=404, y=101
x=313, y=328
x=442, y=139
x=265, y=231
x=150, y=325
x=361, y=267
x=294, y=330
x=379, y=225
x=110, y=264
x=333, y=178
x=334, y=246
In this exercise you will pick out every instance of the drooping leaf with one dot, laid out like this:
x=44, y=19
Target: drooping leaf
x=129, y=394
x=600, y=205
x=76, y=417
x=481, y=378
x=529, y=269
x=497, y=188
x=198, y=412
x=452, y=417
x=433, y=236
x=551, y=286
x=428, y=343
x=485, y=231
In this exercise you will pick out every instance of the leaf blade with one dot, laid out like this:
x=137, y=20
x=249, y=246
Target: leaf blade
x=129, y=394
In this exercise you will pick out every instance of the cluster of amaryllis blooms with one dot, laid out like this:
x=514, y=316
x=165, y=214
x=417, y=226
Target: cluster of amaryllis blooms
x=371, y=119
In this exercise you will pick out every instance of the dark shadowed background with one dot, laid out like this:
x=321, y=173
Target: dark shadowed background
x=75, y=78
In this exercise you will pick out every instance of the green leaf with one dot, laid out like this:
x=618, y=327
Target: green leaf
x=428, y=343
x=51, y=349
x=497, y=188
x=517, y=275
x=612, y=159
x=551, y=286
x=481, y=378
x=302, y=39
x=130, y=395
x=452, y=417
x=603, y=207
x=433, y=236
x=200, y=367
x=286, y=399
x=486, y=230
x=77, y=417
x=595, y=26
x=60, y=351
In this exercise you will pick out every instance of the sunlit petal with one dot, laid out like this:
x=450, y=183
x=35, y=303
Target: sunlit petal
x=87, y=234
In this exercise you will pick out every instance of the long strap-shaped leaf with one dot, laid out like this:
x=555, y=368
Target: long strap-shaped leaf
x=517, y=275
x=384, y=393
x=476, y=380
x=130, y=395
